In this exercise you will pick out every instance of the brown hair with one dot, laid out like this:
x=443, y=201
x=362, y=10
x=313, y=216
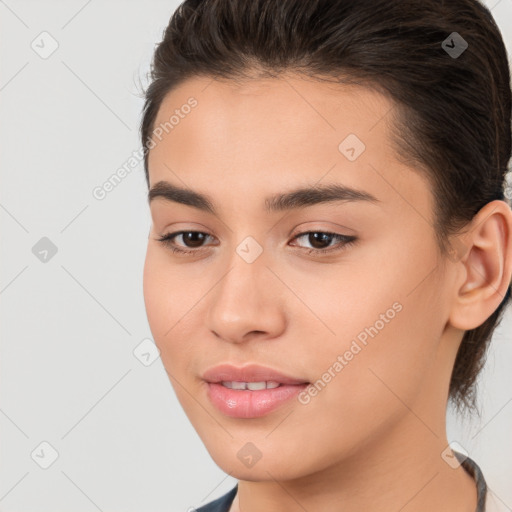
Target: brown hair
x=452, y=116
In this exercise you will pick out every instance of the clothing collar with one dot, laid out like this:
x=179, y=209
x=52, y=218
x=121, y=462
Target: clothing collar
x=475, y=472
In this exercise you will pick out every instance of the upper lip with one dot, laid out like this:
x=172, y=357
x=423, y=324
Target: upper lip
x=248, y=373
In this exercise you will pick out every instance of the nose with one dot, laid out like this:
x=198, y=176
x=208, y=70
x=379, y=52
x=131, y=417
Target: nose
x=247, y=303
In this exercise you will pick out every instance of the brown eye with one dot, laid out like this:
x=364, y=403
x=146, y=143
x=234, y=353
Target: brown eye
x=191, y=239
x=320, y=241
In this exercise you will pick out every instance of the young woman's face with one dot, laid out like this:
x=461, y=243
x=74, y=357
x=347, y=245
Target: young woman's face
x=363, y=319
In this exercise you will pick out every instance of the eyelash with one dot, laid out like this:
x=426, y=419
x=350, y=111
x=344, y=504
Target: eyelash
x=167, y=241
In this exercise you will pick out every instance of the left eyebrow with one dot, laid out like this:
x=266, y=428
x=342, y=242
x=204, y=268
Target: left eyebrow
x=294, y=199
x=316, y=194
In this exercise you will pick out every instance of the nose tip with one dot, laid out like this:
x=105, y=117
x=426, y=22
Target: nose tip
x=244, y=307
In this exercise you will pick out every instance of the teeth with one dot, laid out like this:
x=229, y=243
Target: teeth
x=253, y=386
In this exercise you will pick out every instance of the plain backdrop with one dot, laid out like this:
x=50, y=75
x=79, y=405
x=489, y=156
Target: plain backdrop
x=85, y=424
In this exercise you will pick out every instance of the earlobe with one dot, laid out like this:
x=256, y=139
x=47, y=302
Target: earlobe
x=487, y=266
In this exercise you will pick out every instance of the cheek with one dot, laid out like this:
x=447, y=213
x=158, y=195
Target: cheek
x=154, y=292
x=163, y=298
x=385, y=324
x=166, y=290
x=170, y=299
x=370, y=386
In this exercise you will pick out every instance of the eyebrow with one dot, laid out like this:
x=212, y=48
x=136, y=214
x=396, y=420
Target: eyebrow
x=294, y=199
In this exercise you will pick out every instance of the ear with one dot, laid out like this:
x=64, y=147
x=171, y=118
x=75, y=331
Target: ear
x=485, y=266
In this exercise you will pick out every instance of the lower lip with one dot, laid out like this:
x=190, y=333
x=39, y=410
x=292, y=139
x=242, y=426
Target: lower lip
x=244, y=403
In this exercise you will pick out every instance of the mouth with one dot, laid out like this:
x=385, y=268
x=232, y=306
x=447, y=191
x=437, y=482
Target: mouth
x=251, y=391
x=253, y=386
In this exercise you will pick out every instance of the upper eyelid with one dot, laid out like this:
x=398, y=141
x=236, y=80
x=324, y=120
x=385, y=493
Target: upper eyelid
x=293, y=232
x=175, y=234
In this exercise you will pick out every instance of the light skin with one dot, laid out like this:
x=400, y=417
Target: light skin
x=372, y=438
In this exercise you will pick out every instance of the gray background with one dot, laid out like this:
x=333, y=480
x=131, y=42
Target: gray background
x=70, y=324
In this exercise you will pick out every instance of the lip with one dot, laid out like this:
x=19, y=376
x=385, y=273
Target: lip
x=248, y=373
x=246, y=403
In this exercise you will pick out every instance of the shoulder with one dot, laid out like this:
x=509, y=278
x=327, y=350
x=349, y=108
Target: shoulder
x=221, y=504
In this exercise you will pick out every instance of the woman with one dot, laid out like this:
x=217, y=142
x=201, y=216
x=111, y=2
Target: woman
x=330, y=249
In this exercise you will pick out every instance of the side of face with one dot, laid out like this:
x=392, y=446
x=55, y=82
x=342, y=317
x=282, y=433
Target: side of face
x=378, y=306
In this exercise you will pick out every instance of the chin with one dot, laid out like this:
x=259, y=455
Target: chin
x=274, y=466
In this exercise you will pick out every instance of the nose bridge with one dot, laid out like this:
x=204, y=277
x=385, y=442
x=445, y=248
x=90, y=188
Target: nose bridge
x=238, y=290
x=246, y=264
x=244, y=300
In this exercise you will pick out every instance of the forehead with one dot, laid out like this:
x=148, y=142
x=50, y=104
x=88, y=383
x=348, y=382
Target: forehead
x=294, y=107
x=271, y=134
x=301, y=120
